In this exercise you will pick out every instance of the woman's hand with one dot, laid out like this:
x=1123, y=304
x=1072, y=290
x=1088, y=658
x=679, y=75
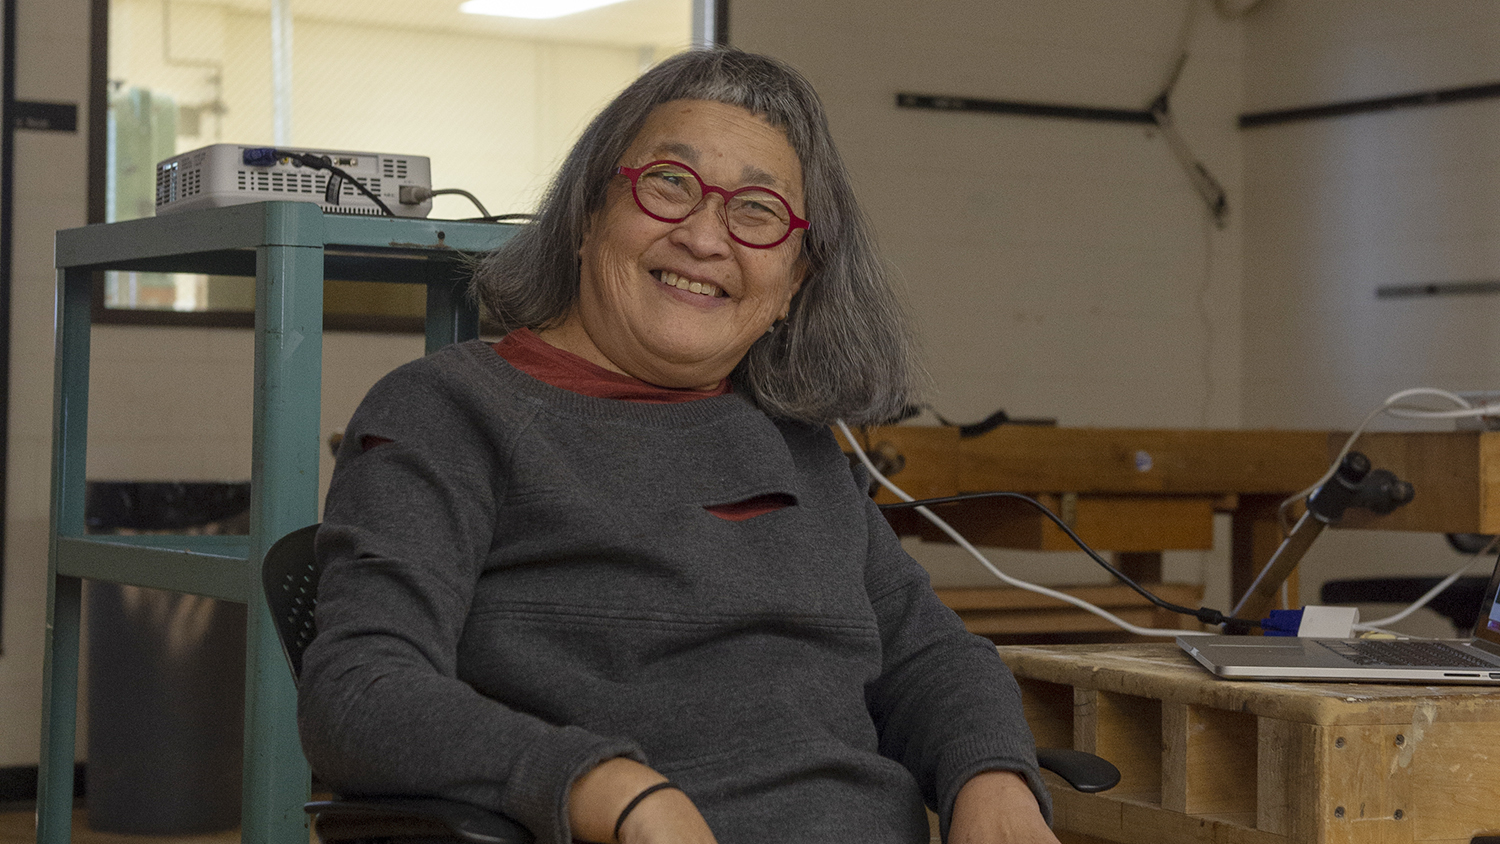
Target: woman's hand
x=998, y=806
x=667, y=816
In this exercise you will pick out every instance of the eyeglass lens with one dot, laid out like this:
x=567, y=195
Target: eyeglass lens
x=672, y=192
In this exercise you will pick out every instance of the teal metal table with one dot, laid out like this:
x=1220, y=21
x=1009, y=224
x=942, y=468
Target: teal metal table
x=290, y=248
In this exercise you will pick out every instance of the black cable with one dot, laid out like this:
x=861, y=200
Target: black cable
x=501, y=218
x=972, y=429
x=323, y=162
x=483, y=211
x=1203, y=614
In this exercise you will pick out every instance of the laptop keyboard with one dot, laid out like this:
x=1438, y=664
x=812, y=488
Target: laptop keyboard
x=1405, y=652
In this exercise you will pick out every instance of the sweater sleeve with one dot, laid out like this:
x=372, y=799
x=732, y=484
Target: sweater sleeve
x=945, y=704
x=408, y=527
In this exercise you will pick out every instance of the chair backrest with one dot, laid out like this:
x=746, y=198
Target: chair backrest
x=289, y=576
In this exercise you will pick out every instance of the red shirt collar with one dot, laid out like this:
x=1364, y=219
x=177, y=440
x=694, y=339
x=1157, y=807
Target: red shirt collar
x=547, y=363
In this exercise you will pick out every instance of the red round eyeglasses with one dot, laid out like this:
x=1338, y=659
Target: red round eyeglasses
x=671, y=191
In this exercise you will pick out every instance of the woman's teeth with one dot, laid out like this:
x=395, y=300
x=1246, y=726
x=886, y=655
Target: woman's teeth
x=677, y=281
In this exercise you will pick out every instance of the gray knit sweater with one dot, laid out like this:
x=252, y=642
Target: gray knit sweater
x=524, y=582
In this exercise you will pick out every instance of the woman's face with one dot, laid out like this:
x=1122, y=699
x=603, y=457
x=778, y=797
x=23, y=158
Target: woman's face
x=636, y=311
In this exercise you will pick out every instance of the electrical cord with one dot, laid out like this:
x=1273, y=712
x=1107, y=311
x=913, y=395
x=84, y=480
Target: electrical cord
x=1209, y=616
x=1203, y=614
x=416, y=195
x=267, y=156
x=1379, y=624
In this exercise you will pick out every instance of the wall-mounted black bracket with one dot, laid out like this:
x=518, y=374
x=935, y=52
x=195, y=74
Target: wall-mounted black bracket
x=1158, y=115
x=1436, y=288
x=983, y=106
x=1442, y=96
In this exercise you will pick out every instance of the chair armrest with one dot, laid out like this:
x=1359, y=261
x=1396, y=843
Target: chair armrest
x=412, y=817
x=1084, y=771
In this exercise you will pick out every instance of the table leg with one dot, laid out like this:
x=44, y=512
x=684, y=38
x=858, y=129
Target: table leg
x=54, y=804
x=451, y=316
x=284, y=497
x=1256, y=534
x=64, y=593
x=1140, y=566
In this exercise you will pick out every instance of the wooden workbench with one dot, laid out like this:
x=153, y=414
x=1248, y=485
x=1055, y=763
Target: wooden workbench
x=1140, y=492
x=1208, y=760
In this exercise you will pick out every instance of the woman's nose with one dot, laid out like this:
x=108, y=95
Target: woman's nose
x=706, y=228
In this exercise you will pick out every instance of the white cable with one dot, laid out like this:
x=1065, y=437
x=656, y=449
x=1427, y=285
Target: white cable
x=984, y=561
x=1462, y=413
x=1431, y=593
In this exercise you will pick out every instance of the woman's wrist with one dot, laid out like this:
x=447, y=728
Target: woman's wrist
x=598, y=799
x=636, y=801
x=997, y=806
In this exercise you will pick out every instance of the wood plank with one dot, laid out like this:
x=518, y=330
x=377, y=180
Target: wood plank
x=1105, y=818
x=1129, y=734
x=1143, y=566
x=1456, y=475
x=1003, y=610
x=1254, y=537
x=1162, y=670
x=1049, y=712
x=1103, y=460
x=1455, y=776
x=1280, y=768
x=1174, y=756
x=1489, y=489
x=928, y=456
x=1106, y=460
x=1006, y=598
x=1209, y=761
x=1085, y=719
x=1105, y=522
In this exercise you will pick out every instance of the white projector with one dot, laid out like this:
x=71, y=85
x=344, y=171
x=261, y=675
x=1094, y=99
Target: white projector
x=233, y=174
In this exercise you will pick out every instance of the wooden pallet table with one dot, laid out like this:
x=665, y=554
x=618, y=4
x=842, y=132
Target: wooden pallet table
x=1212, y=761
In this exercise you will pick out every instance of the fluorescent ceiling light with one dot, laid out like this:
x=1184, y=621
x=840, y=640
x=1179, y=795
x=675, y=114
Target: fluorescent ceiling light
x=534, y=9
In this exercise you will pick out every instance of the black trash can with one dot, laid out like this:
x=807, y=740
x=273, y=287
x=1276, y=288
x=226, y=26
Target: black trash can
x=166, y=675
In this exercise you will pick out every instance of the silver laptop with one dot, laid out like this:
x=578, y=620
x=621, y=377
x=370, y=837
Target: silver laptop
x=1438, y=662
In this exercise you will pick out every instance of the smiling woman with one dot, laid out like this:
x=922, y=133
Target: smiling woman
x=612, y=575
x=393, y=76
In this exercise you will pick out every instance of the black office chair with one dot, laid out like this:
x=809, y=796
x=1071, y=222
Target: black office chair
x=1459, y=603
x=290, y=579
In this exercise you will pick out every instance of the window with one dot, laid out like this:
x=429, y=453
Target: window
x=494, y=102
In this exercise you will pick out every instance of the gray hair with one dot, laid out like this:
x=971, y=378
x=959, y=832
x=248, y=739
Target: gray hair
x=844, y=352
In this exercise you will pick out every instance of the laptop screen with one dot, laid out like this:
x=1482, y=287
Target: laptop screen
x=1487, y=626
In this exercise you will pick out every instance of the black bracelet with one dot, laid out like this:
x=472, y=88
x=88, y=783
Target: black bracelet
x=636, y=801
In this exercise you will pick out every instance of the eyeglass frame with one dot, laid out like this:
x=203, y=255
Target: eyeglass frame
x=634, y=174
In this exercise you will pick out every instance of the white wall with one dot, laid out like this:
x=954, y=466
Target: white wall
x=1056, y=268
x=1338, y=207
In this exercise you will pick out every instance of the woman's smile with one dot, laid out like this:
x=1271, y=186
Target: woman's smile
x=701, y=288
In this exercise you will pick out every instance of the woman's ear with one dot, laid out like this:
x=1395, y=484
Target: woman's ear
x=583, y=236
x=799, y=271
